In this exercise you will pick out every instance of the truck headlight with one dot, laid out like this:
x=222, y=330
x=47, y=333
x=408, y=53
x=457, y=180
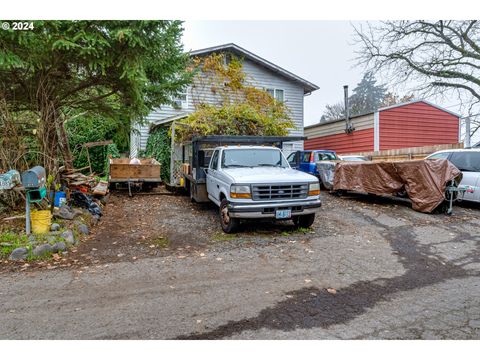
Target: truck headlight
x=314, y=189
x=240, y=192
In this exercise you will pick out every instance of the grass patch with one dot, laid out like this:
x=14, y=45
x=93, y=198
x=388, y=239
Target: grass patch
x=10, y=241
x=299, y=230
x=224, y=237
x=161, y=242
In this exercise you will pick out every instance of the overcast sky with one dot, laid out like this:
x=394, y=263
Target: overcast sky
x=318, y=51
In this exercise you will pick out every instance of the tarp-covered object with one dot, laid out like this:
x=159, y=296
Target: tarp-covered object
x=326, y=171
x=424, y=181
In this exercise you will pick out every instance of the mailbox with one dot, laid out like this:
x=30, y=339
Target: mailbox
x=34, y=178
x=33, y=181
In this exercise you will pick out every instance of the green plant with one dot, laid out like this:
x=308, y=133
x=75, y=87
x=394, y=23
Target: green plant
x=112, y=68
x=10, y=241
x=243, y=109
x=224, y=237
x=158, y=147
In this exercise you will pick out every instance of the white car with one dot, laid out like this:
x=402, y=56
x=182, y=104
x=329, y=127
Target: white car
x=252, y=182
x=353, y=158
x=468, y=162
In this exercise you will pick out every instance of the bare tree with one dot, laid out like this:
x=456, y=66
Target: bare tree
x=442, y=57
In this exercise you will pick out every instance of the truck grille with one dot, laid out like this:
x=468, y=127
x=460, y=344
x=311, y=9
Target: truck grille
x=284, y=191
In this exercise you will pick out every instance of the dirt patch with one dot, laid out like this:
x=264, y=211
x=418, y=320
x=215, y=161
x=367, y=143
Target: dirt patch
x=159, y=224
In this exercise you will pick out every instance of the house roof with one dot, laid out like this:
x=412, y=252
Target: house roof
x=157, y=122
x=308, y=87
x=386, y=108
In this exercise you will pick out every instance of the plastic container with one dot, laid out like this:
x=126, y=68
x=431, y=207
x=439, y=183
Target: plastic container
x=60, y=198
x=41, y=221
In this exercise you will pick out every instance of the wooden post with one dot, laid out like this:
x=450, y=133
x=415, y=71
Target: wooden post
x=88, y=158
x=172, y=152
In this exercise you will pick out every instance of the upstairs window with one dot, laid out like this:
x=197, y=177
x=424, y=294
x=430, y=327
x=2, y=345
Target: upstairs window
x=180, y=101
x=277, y=94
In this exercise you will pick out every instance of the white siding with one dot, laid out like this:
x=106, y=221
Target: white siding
x=200, y=91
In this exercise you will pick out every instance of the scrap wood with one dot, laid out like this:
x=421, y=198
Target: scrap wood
x=16, y=217
x=101, y=188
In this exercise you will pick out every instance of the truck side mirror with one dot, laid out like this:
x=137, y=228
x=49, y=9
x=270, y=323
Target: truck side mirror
x=201, y=158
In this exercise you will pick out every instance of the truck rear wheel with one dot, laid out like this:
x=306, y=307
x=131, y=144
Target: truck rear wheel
x=304, y=221
x=229, y=224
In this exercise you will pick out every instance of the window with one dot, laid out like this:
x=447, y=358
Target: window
x=214, y=162
x=180, y=101
x=325, y=156
x=466, y=160
x=306, y=157
x=240, y=158
x=291, y=159
x=277, y=94
x=442, y=155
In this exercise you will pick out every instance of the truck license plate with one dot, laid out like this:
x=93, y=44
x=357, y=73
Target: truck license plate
x=283, y=214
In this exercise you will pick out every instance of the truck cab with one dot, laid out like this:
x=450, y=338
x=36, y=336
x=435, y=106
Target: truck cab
x=257, y=182
x=306, y=160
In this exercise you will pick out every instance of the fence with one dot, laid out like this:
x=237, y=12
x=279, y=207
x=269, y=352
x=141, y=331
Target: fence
x=411, y=153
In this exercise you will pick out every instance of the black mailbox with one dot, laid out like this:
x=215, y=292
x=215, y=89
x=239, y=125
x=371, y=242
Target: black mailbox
x=34, y=178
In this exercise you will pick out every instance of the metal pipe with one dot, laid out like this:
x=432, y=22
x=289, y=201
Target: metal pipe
x=347, y=109
x=467, y=133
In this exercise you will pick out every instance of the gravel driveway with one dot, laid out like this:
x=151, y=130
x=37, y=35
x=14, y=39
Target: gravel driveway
x=158, y=267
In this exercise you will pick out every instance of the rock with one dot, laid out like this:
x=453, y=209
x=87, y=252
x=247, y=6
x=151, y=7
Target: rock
x=18, y=254
x=32, y=238
x=94, y=220
x=51, y=238
x=78, y=222
x=42, y=250
x=64, y=213
x=59, y=247
x=55, y=227
x=78, y=212
x=68, y=236
x=83, y=229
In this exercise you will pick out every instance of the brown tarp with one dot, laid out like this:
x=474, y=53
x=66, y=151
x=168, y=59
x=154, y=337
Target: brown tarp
x=424, y=180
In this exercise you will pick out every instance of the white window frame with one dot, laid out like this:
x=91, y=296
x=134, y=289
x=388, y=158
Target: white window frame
x=183, y=103
x=274, y=90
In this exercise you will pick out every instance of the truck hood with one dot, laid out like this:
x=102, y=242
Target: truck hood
x=270, y=175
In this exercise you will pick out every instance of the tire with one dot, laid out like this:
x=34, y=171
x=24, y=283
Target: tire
x=304, y=221
x=191, y=191
x=229, y=225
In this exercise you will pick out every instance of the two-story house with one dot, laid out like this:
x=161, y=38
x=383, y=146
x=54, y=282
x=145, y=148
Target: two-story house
x=280, y=83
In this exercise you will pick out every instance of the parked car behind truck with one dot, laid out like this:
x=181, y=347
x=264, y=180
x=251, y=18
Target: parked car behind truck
x=306, y=160
x=252, y=182
x=468, y=162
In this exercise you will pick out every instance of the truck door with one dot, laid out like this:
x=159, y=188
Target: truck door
x=212, y=188
x=294, y=159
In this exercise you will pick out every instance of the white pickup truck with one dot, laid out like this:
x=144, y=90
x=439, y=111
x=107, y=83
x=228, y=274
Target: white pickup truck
x=253, y=182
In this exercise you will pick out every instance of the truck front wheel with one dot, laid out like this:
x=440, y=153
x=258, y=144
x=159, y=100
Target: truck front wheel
x=229, y=224
x=304, y=221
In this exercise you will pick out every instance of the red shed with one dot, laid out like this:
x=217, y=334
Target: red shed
x=412, y=124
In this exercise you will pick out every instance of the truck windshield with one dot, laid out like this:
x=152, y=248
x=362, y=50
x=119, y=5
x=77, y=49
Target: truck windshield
x=253, y=158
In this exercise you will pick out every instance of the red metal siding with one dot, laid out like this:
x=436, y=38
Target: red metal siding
x=358, y=141
x=417, y=124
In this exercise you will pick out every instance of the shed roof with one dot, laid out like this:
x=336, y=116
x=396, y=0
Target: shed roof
x=308, y=87
x=386, y=108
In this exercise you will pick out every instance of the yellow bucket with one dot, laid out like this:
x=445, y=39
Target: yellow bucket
x=41, y=221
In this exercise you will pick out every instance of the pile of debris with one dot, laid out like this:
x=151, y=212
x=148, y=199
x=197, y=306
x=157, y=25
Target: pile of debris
x=74, y=180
